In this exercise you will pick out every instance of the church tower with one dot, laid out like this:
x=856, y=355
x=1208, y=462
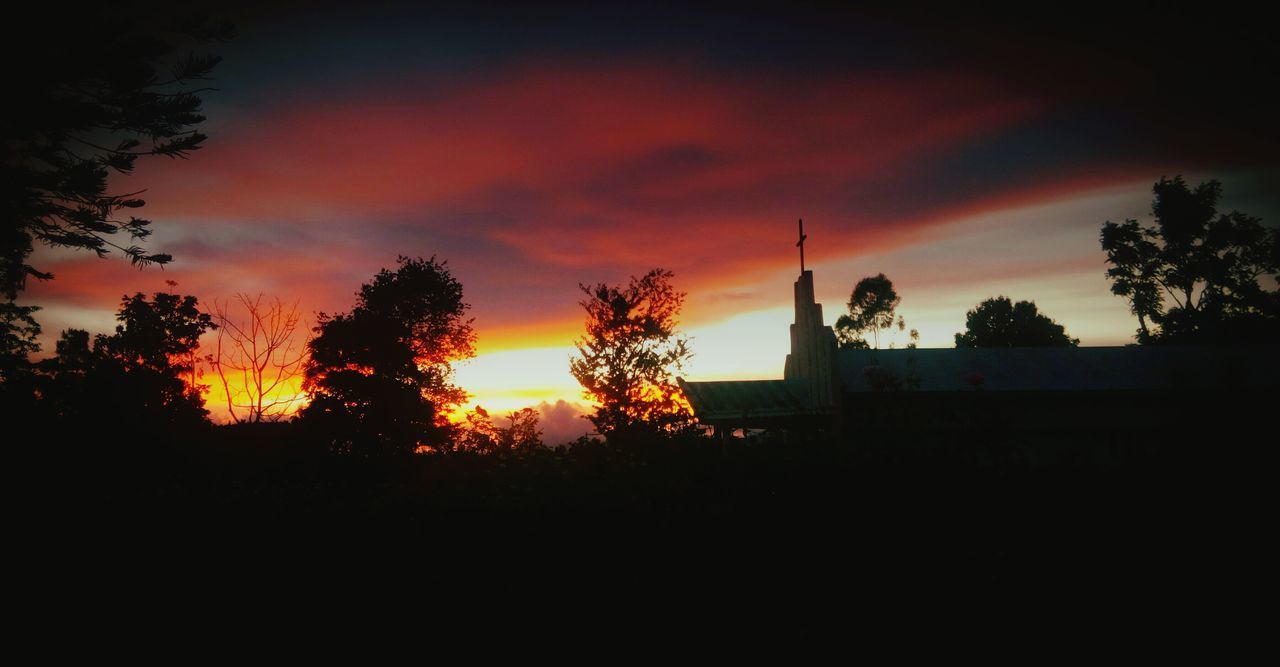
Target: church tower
x=808, y=397
x=812, y=362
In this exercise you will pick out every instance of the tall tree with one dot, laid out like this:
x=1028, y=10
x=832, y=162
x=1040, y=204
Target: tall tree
x=1196, y=275
x=872, y=309
x=380, y=377
x=89, y=90
x=107, y=87
x=630, y=353
x=998, y=322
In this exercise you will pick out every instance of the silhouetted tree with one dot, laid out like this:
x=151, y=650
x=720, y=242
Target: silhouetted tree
x=481, y=435
x=478, y=433
x=630, y=353
x=18, y=340
x=998, y=322
x=154, y=352
x=1196, y=275
x=871, y=309
x=104, y=89
x=66, y=393
x=258, y=358
x=142, y=376
x=73, y=354
x=523, y=433
x=380, y=377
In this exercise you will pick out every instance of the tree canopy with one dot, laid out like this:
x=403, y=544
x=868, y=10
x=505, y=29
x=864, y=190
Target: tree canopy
x=482, y=435
x=105, y=89
x=998, y=322
x=143, y=375
x=630, y=353
x=18, y=338
x=872, y=309
x=1197, y=275
x=379, y=377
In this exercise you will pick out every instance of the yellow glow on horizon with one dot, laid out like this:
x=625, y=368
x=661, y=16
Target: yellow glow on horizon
x=751, y=345
x=518, y=378
x=287, y=396
x=541, y=335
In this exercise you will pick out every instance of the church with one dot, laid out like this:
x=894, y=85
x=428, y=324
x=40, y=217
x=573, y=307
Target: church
x=1068, y=391
x=810, y=391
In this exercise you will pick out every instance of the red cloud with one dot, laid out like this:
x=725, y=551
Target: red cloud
x=585, y=139
x=546, y=175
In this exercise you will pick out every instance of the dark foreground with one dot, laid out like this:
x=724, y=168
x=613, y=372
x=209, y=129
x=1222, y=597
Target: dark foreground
x=890, y=509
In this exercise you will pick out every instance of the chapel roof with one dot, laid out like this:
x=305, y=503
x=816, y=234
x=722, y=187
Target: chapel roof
x=1070, y=368
x=747, y=400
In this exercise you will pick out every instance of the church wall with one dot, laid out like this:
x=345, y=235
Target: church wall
x=1055, y=427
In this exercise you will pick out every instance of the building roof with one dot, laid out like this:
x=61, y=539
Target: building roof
x=743, y=401
x=1070, y=368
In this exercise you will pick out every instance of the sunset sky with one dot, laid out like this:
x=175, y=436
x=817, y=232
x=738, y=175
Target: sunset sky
x=534, y=149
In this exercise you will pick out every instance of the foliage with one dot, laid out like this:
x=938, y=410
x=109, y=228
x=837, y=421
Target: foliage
x=143, y=375
x=380, y=377
x=18, y=340
x=1196, y=275
x=628, y=358
x=154, y=348
x=871, y=309
x=998, y=322
x=913, y=336
x=481, y=435
x=258, y=359
x=161, y=334
x=523, y=432
x=18, y=334
x=104, y=90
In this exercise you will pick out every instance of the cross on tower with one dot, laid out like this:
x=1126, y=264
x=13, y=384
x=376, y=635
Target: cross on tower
x=800, y=245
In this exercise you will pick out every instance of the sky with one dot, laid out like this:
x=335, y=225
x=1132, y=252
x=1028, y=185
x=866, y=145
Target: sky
x=534, y=149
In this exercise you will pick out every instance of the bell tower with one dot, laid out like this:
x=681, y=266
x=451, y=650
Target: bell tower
x=812, y=361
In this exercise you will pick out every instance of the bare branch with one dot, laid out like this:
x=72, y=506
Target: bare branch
x=262, y=350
